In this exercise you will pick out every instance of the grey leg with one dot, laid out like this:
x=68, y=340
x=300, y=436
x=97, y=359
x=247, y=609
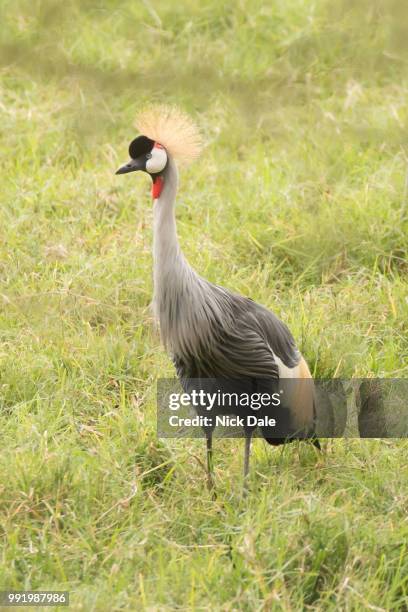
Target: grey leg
x=248, y=438
x=210, y=464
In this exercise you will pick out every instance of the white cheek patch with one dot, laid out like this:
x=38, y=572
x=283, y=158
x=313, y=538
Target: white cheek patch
x=157, y=161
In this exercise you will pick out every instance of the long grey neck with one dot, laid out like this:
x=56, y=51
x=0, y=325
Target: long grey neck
x=184, y=304
x=171, y=271
x=165, y=241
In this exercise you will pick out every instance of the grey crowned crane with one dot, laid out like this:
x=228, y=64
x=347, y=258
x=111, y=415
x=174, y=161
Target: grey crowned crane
x=210, y=332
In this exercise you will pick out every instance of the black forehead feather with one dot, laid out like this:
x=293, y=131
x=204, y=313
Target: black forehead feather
x=140, y=146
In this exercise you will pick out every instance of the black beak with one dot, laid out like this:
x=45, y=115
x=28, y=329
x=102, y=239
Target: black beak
x=131, y=166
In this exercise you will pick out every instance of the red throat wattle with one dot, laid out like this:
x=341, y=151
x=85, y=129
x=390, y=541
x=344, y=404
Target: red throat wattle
x=157, y=187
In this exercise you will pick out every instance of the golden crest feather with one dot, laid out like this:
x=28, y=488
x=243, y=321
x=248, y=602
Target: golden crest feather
x=173, y=129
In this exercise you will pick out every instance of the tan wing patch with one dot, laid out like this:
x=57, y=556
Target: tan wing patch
x=173, y=129
x=299, y=396
x=304, y=371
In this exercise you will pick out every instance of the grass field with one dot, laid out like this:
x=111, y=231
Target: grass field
x=300, y=200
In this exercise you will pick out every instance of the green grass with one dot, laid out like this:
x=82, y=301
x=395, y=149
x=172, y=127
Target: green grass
x=299, y=201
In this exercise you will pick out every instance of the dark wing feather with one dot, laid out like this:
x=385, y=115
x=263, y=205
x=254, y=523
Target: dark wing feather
x=244, y=350
x=245, y=347
x=275, y=333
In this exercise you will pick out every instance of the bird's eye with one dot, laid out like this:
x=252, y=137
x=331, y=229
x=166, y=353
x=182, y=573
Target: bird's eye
x=148, y=155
